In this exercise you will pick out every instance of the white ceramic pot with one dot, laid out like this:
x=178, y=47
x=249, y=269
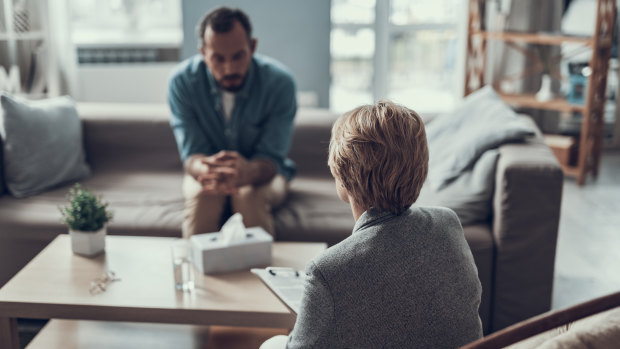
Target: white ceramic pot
x=545, y=94
x=88, y=243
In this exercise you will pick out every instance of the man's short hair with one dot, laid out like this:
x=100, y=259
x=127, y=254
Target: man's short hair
x=221, y=20
x=380, y=155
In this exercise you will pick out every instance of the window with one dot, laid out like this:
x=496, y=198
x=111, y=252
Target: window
x=405, y=50
x=126, y=30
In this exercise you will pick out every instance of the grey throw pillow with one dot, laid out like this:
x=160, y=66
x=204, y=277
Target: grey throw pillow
x=470, y=195
x=42, y=143
x=456, y=140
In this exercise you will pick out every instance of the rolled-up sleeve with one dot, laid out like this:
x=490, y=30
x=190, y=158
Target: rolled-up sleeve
x=184, y=119
x=275, y=138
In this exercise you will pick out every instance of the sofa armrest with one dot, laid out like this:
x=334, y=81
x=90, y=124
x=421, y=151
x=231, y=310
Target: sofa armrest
x=526, y=213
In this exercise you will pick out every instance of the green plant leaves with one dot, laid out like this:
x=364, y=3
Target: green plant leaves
x=86, y=211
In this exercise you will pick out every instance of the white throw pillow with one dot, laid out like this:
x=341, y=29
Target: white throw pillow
x=42, y=143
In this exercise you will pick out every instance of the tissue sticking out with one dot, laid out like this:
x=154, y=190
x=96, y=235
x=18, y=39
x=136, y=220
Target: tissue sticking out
x=233, y=229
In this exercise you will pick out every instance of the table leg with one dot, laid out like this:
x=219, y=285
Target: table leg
x=9, y=337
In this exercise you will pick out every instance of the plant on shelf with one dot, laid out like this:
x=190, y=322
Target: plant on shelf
x=86, y=217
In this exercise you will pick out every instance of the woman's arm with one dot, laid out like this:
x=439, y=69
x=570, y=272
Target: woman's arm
x=315, y=325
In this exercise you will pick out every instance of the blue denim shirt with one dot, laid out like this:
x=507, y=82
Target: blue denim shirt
x=261, y=122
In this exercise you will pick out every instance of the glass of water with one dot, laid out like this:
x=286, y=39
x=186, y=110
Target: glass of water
x=182, y=265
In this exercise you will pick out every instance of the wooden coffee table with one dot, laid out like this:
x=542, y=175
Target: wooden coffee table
x=55, y=284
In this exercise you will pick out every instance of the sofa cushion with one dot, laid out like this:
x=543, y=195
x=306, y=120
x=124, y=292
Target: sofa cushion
x=313, y=212
x=456, y=140
x=42, y=144
x=144, y=203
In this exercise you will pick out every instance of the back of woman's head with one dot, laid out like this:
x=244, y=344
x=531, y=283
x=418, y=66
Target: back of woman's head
x=380, y=155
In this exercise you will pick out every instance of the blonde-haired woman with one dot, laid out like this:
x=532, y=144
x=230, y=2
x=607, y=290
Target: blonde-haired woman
x=406, y=277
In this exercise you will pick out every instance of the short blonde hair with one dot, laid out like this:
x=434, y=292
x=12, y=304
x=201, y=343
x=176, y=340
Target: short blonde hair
x=380, y=155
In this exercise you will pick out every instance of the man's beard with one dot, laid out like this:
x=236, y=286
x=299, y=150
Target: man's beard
x=233, y=89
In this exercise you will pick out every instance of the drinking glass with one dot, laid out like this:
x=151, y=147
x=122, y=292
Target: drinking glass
x=182, y=265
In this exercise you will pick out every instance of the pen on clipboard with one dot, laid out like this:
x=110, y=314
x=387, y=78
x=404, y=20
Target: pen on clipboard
x=282, y=270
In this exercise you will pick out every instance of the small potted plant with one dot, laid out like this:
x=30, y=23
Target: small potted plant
x=86, y=216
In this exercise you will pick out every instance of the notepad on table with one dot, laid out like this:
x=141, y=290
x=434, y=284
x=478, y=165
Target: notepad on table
x=286, y=283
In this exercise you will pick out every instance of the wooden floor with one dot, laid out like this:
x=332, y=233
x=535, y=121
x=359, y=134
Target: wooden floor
x=588, y=251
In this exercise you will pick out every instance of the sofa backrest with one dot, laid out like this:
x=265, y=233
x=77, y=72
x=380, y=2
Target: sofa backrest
x=128, y=137
x=310, y=143
x=138, y=136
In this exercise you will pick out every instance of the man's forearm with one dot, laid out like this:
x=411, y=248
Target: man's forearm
x=261, y=171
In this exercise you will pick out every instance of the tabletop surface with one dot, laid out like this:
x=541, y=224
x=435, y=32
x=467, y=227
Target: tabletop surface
x=55, y=284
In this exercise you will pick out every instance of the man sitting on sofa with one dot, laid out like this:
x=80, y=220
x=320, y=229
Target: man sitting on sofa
x=232, y=117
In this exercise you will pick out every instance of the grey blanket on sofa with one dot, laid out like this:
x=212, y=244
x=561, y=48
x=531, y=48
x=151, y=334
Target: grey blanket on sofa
x=463, y=156
x=469, y=195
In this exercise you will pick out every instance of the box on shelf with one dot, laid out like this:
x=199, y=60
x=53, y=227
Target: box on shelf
x=578, y=82
x=564, y=148
x=212, y=254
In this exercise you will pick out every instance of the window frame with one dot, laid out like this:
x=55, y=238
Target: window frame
x=385, y=31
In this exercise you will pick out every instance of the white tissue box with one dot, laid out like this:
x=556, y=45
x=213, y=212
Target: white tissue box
x=212, y=255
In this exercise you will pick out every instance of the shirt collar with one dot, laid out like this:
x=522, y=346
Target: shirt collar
x=371, y=217
x=245, y=90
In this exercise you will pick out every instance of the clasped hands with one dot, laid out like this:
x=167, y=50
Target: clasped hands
x=222, y=173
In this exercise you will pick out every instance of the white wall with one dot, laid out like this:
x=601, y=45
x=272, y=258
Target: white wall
x=124, y=83
x=139, y=83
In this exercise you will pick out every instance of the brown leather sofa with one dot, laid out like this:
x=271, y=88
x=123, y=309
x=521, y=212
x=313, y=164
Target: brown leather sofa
x=136, y=167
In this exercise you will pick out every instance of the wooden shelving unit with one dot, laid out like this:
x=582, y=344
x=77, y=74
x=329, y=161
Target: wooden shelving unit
x=530, y=101
x=590, y=142
x=541, y=38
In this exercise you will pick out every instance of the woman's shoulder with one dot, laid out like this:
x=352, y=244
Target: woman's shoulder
x=433, y=215
x=415, y=223
x=338, y=254
x=433, y=211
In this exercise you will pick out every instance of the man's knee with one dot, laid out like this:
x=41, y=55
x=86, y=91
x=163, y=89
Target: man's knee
x=203, y=214
x=248, y=193
x=271, y=193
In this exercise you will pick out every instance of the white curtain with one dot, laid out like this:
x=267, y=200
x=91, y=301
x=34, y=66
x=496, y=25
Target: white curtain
x=47, y=65
x=64, y=57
